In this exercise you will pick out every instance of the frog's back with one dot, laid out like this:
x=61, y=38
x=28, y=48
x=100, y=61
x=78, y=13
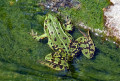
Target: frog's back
x=57, y=38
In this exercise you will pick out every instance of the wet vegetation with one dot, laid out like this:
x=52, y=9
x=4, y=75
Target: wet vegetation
x=20, y=53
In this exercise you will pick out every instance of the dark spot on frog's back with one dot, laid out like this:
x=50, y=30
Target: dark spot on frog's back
x=76, y=41
x=91, y=55
x=64, y=38
x=92, y=50
x=67, y=17
x=59, y=62
x=79, y=48
x=63, y=58
x=65, y=25
x=45, y=27
x=54, y=66
x=46, y=21
x=53, y=47
x=66, y=44
x=53, y=59
x=87, y=48
x=73, y=46
x=80, y=38
x=65, y=51
x=61, y=66
x=56, y=46
x=57, y=28
x=86, y=52
x=49, y=20
x=85, y=42
x=91, y=44
x=69, y=36
x=51, y=32
x=68, y=48
x=55, y=39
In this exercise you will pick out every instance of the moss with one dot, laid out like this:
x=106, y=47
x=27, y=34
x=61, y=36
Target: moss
x=90, y=13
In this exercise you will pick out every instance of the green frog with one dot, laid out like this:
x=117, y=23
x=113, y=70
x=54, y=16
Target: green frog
x=59, y=40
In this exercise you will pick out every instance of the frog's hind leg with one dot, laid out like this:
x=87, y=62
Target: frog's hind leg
x=55, y=61
x=75, y=49
x=86, y=45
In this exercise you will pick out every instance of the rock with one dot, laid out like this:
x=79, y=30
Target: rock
x=112, y=19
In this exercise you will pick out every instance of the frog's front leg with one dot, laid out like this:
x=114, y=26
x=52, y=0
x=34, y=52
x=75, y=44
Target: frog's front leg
x=36, y=37
x=68, y=25
x=55, y=61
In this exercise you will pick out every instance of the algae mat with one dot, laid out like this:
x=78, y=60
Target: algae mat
x=19, y=53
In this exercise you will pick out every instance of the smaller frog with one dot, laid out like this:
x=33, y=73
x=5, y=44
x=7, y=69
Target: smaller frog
x=63, y=44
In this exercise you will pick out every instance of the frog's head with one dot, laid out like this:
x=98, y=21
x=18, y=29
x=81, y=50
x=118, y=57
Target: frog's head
x=51, y=17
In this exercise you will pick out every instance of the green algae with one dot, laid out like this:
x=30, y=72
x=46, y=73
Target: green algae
x=20, y=54
x=90, y=13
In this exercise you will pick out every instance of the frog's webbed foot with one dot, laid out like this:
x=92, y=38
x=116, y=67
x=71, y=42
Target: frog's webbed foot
x=55, y=61
x=32, y=33
x=36, y=37
x=54, y=65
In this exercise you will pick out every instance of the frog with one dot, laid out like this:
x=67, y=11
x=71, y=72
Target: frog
x=62, y=43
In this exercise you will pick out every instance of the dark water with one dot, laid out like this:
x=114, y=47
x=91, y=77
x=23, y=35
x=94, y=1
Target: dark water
x=19, y=53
